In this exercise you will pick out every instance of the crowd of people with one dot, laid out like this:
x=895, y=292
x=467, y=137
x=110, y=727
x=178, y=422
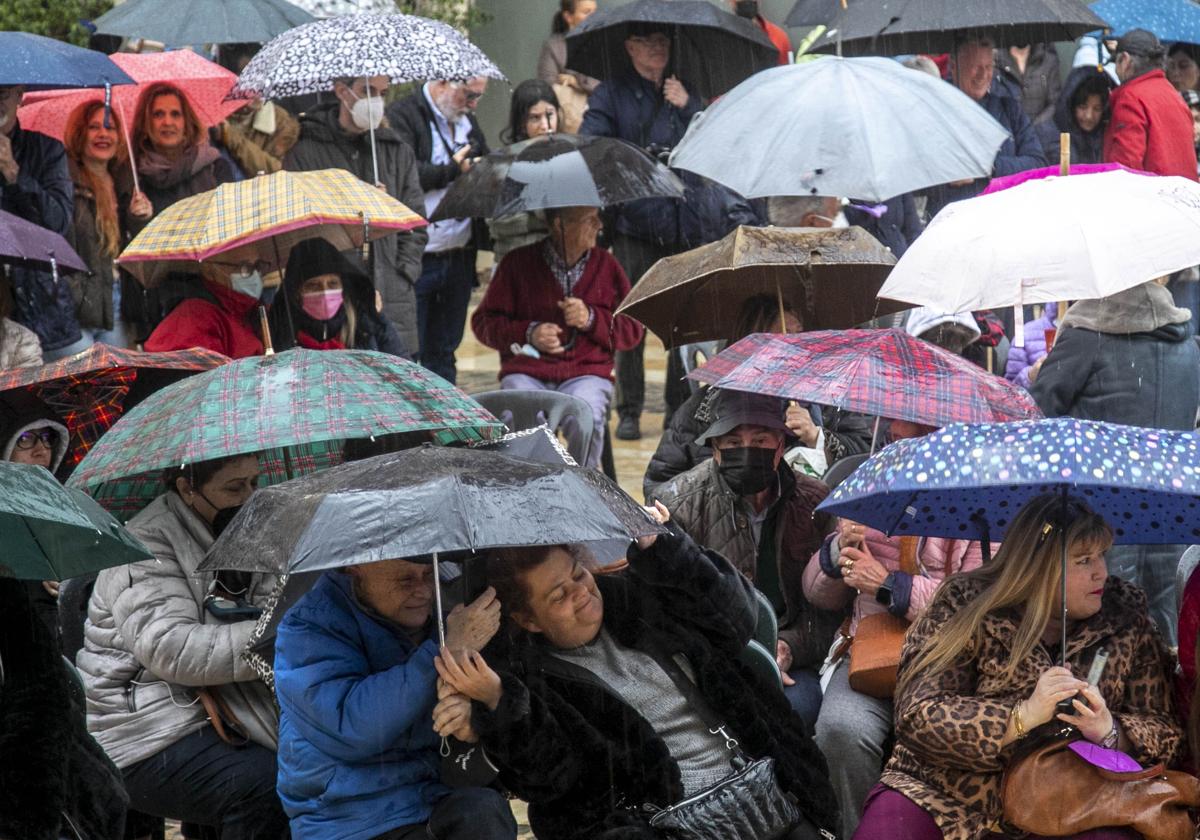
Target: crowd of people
x=601, y=694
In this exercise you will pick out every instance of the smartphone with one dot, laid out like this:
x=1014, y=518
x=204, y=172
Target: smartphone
x=474, y=578
x=230, y=610
x=1095, y=672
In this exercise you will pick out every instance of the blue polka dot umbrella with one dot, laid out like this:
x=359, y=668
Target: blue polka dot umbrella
x=1170, y=20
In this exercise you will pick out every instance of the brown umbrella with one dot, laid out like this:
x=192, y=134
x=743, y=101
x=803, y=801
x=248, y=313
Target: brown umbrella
x=830, y=276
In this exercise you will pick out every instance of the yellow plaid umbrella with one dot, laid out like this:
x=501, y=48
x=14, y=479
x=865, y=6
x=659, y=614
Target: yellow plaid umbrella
x=259, y=220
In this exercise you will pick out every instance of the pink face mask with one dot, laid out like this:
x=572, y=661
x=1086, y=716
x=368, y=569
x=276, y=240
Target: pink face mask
x=321, y=306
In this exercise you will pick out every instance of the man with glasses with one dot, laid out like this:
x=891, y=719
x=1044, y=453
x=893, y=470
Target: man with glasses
x=438, y=122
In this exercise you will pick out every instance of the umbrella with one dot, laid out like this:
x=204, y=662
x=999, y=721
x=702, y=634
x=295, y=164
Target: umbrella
x=829, y=275
x=182, y=23
x=968, y=481
x=711, y=50
x=205, y=83
x=901, y=27
x=863, y=127
x=291, y=399
x=32, y=246
x=1048, y=240
x=337, y=8
x=39, y=63
x=1170, y=20
x=90, y=390
x=53, y=533
x=881, y=373
x=261, y=219
x=561, y=170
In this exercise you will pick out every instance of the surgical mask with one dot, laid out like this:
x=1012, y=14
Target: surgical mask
x=250, y=284
x=367, y=112
x=321, y=306
x=746, y=8
x=748, y=469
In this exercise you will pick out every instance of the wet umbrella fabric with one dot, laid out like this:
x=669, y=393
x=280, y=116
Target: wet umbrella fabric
x=829, y=275
x=32, y=246
x=710, y=48
x=562, y=170
x=422, y=502
x=880, y=373
x=39, y=63
x=182, y=23
x=862, y=127
x=53, y=533
x=1170, y=20
x=903, y=27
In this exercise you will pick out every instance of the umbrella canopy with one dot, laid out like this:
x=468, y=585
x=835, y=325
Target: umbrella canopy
x=295, y=398
x=967, y=481
x=561, y=170
x=901, y=27
x=206, y=85
x=711, y=49
x=421, y=502
x=39, y=63
x=25, y=244
x=89, y=391
x=829, y=276
x=1170, y=20
x=181, y=23
x=405, y=48
x=261, y=219
x=53, y=533
x=881, y=373
x=1034, y=244
x=1005, y=182
x=867, y=128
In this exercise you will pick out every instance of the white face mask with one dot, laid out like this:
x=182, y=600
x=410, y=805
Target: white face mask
x=367, y=112
x=250, y=285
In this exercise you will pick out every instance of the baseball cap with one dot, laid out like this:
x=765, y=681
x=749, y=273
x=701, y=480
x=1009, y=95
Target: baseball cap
x=727, y=410
x=1140, y=42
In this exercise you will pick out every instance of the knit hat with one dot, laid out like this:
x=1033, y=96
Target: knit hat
x=726, y=410
x=20, y=412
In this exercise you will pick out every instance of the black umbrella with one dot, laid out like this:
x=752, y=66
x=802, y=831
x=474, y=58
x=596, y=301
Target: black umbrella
x=711, y=49
x=900, y=27
x=561, y=170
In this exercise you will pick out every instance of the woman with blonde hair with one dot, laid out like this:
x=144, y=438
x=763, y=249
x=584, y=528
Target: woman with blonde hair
x=981, y=671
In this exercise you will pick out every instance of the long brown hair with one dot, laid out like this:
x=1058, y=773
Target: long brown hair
x=1026, y=572
x=104, y=194
x=193, y=128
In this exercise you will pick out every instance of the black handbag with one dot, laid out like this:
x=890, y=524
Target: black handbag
x=747, y=805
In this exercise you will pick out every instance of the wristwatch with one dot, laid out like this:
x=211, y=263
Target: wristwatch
x=1111, y=739
x=884, y=593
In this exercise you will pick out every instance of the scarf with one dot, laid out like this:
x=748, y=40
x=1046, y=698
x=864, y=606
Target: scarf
x=319, y=335
x=162, y=172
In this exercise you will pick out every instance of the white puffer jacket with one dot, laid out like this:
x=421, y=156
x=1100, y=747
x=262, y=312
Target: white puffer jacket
x=148, y=642
x=19, y=346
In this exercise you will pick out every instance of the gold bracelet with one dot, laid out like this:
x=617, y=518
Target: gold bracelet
x=1016, y=716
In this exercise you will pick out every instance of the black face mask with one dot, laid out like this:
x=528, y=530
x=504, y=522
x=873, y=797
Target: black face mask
x=747, y=469
x=223, y=518
x=746, y=8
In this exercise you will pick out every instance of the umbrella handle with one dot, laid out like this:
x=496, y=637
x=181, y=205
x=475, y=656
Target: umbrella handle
x=437, y=599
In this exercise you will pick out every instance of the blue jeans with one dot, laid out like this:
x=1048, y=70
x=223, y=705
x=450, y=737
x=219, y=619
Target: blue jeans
x=443, y=293
x=805, y=696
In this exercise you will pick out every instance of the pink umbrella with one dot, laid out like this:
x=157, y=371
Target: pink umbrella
x=1009, y=181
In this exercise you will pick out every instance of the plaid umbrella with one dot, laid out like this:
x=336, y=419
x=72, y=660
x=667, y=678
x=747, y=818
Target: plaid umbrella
x=302, y=403
x=261, y=219
x=882, y=373
x=90, y=390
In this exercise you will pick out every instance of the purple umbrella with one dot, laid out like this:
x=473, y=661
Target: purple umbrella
x=33, y=246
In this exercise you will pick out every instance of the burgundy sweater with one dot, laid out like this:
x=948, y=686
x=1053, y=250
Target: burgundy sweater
x=524, y=291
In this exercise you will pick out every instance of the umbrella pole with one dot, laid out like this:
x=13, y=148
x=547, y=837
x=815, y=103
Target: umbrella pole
x=129, y=146
x=1064, y=168
x=437, y=602
x=287, y=304
x=268, y=347
x=371, y=123
x=1064, y=577
x=874, y=436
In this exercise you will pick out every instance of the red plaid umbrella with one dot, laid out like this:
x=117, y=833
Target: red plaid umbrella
x=882, y=373
x=91, y=390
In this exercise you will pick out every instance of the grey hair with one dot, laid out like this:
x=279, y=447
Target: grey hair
x=924, y=64
x=789, y=210
x=1143, y=64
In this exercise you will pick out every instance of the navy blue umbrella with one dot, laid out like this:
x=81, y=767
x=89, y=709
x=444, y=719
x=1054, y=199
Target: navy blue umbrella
x=39, y=63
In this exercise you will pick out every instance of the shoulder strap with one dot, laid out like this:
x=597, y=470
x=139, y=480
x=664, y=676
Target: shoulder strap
x=908, y=555
x=687, y=687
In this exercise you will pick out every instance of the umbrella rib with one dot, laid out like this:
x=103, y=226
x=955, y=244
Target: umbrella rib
x=49, y=562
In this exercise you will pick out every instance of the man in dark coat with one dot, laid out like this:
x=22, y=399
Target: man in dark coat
x=35, y=185
x=337, y=136
x=438, y=123
x=973, y=70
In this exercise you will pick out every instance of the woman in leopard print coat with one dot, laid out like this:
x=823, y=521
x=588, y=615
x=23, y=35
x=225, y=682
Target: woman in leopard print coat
x=978, y=672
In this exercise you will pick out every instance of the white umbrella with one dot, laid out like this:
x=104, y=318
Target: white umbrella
x=1051, y=239
x=866, y=128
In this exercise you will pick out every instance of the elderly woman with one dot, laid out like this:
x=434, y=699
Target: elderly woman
x=979, y=673
x=221, y=313
x=162, y=656
x=581, y=715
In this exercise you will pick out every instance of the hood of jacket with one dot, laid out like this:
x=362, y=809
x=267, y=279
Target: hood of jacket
x=20, y=412
x=314, y=257
x=1142, y=309
x=1064, y=114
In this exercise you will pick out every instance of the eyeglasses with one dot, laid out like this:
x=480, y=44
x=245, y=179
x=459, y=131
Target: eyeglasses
x=659, y=41
x=28, y=440
x=472, y=95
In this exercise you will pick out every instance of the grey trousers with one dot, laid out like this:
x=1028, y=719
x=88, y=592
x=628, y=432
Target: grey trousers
x=851, y=732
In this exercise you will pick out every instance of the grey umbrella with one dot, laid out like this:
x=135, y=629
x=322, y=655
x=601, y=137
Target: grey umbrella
x=181, y=23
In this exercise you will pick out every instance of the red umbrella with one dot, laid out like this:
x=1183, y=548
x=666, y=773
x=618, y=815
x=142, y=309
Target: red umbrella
x=92, y=389
x=882, y=373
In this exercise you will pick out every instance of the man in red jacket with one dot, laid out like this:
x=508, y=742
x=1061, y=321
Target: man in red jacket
x=749, y=9
x=1151, y=127
x=549, y=311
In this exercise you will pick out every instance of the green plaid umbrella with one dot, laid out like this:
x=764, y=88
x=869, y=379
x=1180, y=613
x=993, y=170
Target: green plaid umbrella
x=295, y=407
x=52, y=533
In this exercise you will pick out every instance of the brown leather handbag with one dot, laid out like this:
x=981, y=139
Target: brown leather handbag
x=875, y=652
x=1051, y=791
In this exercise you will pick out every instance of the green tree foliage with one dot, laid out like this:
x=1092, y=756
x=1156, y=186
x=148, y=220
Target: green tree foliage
x=53, y=18
x=461, y=14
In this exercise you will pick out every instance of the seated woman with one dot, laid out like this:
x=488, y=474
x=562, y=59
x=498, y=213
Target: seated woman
x=328, y=304
x=582, y=718
x=978, y=674
x=220, y=313
x=156, y=634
